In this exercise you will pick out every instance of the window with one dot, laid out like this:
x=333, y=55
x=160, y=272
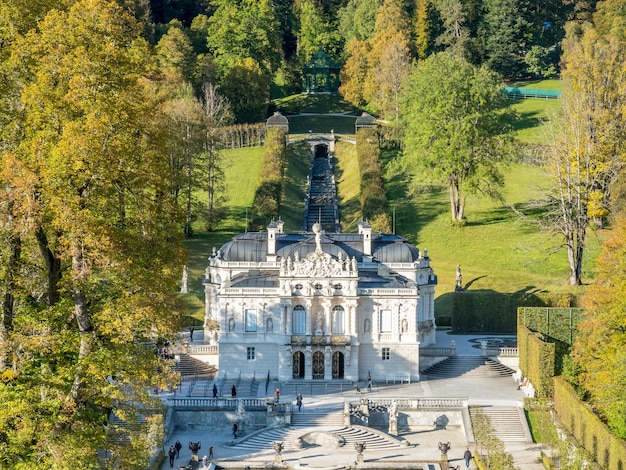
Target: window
x=251, y=320
x=386, y=354
x=338, y=320
x=250, y=354
x=299, y=317
x=385, y=321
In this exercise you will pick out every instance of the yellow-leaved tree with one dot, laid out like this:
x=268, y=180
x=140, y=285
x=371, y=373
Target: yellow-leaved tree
x=600, y=347
x=91, y=161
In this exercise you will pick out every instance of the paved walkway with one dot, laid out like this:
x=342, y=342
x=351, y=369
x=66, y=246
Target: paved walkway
x=422, y=449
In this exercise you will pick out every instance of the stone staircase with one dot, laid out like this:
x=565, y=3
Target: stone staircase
x=321, y=203
x=313, y=419
x=509, y=423
x=468, y=366
x=191, y=367
x=375, y=440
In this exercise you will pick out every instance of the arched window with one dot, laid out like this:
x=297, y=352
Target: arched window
x=338, y=317
x=299, y=320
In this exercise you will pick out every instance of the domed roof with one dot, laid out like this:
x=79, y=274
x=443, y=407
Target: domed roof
x=250, y=246
x=393, y=249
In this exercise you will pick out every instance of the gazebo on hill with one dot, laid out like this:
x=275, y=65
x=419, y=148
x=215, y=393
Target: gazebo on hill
x=321, y=74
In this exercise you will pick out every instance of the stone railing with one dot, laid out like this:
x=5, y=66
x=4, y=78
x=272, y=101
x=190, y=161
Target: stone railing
x=437, y=351
x=321, y=340
x=212, y=349
x=219, y=403
x=504, y=352
x=413, y=403
x=383, y=291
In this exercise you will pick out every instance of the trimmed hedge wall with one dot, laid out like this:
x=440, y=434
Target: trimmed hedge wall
x=491, y=312
x=537, y=361
x=374, y=204
x=590, y=432
x=266, y=203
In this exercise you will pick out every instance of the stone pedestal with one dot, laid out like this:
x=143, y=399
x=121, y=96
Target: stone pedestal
x=393, y=426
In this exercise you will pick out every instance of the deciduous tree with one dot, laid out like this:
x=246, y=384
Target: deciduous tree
x=600, y=348
x=586, y=151
x=456, y=133
x=90, y=159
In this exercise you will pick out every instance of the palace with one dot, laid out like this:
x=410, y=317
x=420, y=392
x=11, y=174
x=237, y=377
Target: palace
x=317, y=306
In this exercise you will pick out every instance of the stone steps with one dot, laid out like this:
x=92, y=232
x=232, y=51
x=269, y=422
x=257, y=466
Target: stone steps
x=508, y=422
x=306, y=419
x=468, y=366
x=191, y=367
x=350, y=435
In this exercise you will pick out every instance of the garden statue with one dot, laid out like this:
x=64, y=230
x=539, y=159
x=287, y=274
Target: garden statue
x=360, y=447
x=278, y=448
x=444, y=447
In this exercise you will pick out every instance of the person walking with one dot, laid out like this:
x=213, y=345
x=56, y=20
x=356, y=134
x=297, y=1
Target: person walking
x=467, y=456
x=172, y=455
x=369, y=384
x=233, y=391
x=178, y=446
x=214, y=391
x=211, y=452
x=235, y=427
x=299, y=401
x=191, y=334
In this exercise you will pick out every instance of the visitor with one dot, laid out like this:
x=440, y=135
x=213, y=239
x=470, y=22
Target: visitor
x=277, y=395
x=467, y=456
x=369, y=383
x=172, y=455
x=235, y=428
x=233, y=392
x=299, y=401
x=211, y=452
x=178, y=446
x=214, y=391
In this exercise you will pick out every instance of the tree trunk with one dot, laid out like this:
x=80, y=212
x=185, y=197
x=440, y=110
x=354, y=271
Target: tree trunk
x=457, y=201
x=53, y=266
x=83, y=320
x=8, y=299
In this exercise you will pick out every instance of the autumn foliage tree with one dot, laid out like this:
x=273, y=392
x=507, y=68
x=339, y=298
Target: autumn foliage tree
x=90, y=162
x=600, y=348
x=587, y=146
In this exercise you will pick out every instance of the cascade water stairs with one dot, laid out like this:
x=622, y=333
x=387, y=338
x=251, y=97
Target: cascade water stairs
x=321, y=198
x=509, y=423
x=468, y=366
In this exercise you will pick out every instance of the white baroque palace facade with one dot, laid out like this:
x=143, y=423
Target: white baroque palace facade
x=318, y=306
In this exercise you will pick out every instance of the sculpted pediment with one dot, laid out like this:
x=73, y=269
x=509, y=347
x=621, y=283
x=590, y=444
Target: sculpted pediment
x=318, y=264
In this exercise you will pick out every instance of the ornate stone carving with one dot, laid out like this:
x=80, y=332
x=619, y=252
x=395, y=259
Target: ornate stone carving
x=317, y=264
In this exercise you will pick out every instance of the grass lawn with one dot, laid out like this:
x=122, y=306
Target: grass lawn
x=533, y=116
x=497, y=249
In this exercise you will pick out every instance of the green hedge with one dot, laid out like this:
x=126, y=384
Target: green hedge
x=266, y=203
x=494, y=312
x=374, y=204
x=587, y=428
x=537, y=361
